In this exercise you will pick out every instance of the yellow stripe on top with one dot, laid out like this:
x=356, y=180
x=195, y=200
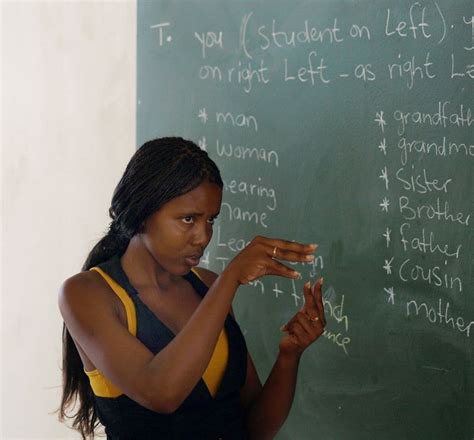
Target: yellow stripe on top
x=100, y=385
x=218, y=363
x=126, y=300
x=215, y=370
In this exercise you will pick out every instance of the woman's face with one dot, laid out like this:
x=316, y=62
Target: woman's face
x=177, y=234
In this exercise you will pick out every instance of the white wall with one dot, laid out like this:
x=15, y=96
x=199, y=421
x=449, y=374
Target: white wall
x=68, y=130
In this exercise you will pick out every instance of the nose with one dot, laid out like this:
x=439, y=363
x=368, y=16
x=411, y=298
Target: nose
x=202, y=234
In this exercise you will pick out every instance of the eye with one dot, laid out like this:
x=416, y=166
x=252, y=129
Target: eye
x=189, y=219
x=212, y=220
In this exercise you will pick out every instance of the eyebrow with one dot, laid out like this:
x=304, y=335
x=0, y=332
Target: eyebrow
x=184, y=213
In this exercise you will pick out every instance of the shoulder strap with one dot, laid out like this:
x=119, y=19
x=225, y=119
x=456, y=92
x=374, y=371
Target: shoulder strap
x=195, y=272
x=197, y=282
x=124, y=297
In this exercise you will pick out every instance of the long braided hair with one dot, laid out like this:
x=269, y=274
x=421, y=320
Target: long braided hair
x=159, y=171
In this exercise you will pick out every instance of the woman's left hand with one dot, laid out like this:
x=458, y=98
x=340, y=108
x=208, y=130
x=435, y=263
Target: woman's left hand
x=307, y=325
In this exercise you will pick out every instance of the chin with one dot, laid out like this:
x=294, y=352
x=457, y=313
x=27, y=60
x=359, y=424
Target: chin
x=181, y=270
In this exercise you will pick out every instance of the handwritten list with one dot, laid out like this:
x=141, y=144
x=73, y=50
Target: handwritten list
x=349, y=125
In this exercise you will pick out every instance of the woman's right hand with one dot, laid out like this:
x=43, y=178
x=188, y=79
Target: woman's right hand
x=260, y=257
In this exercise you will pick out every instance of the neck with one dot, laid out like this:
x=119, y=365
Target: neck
x=142, y=269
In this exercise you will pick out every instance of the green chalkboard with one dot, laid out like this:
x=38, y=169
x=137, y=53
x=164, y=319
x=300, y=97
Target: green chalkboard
x=349, y=124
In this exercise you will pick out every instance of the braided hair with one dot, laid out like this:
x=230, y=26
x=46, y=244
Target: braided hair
x=159, y=171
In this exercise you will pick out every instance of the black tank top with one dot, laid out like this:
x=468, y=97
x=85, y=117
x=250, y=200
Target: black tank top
x=201, y=416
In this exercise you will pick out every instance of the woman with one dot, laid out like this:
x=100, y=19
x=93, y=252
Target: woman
x=150, y=345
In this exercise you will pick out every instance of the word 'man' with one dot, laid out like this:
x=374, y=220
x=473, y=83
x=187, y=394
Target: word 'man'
x=239, y=120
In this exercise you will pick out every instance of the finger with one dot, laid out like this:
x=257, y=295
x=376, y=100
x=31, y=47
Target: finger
x=309, y=307
x=304, y=331
x=290, y=255
x=303, y=320
x=285, y=245
x=279, y=269
x=314, y=328
x=286, y=327
x=318, y=297
x=302, y=335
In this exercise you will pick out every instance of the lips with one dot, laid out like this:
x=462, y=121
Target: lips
x=193, y=260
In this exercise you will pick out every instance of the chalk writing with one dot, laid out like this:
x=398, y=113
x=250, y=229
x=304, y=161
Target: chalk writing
x=419, y=183
x=247, y=153
x=411, y=70
x=414, y=146
x=441, y=148
x=239, y=120
x=233, y=244
x=462, y=117
x=415, y=232
x=275, y=35
x=240, y=214
x=253, y=189
x=469, y=21
x=425, y=244
x=440, y=316
x=438, y=211
x=418, y=27
x=461, y=70
x=308, y=72
x=433, y=275
x=161, y=27
x=208, y=40
x=246, y=75
x=334, y=311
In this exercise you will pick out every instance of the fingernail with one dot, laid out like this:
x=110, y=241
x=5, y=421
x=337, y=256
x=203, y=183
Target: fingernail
x=307, y=284
x=297, y=274
x=309, y=257
x=313, y=245
x=282, y=327
x=321, y=281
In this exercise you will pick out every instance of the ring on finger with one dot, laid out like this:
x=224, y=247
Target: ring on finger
x=274, y=253
x=315, y=319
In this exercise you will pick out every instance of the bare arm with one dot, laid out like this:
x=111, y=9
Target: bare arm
x=158, y=382
x=267, y=413
x=163, y=381
x=268, y=407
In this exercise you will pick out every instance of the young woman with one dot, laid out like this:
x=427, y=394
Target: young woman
x=151, y=348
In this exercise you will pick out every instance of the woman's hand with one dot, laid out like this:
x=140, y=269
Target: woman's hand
x=307, y=325
x=260, y=257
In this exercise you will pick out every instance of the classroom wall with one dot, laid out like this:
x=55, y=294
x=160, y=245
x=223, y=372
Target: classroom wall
x=68, y=130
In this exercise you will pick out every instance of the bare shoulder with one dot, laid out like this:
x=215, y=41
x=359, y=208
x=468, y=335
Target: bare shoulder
x=83, y=291
x=83, y=284
x=207, y=276
x=89, y=309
